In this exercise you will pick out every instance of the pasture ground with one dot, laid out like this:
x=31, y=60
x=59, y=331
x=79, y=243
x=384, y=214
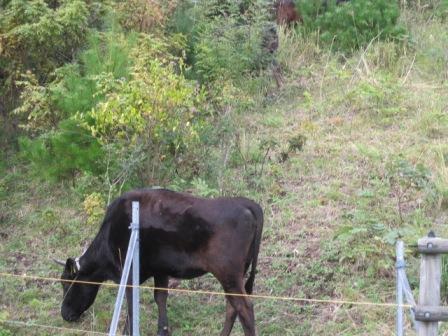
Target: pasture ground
x=358, y=155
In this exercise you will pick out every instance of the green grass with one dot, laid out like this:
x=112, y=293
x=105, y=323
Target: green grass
x=333, y=207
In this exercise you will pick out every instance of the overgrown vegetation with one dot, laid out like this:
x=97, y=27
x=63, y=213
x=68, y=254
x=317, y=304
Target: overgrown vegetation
x=223, y=39
x=348, y=156
x=353, y=24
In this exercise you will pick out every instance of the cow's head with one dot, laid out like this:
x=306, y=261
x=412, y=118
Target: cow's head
x=78, y=293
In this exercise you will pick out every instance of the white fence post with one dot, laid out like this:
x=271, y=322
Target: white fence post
x=136, y=271
x=133, y=242
x=399, y=266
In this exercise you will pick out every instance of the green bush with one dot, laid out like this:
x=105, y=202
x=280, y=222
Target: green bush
x=130, y=105
x=352, y=25
x=129, y=101
x=223, y=42
x=156, y=112
x=77, y=86
x=63, y=153
x=38, y=38
x=144, y=15
x=35, y=111
x=5, y=332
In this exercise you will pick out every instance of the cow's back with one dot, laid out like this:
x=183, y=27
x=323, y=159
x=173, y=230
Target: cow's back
x=182, y=235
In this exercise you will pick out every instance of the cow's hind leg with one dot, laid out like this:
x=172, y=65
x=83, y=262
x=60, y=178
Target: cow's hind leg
x=230, y=319
x=241, y=304
x=160, y=296
x=245, y=311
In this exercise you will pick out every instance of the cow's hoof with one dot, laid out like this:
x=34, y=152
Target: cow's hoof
x=163, y=332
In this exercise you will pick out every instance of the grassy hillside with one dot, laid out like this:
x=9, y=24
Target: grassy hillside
x=350, y=154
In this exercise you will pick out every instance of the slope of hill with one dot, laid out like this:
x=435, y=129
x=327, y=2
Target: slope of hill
x=349, y=155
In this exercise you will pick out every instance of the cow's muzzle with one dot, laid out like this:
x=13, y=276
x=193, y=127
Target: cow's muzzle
x=70, y=316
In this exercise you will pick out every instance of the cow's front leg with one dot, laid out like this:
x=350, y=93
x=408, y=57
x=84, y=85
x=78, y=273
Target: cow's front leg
x=160, y=296
x=128, y=326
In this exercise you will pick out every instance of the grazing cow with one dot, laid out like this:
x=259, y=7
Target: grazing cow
x=181, y=236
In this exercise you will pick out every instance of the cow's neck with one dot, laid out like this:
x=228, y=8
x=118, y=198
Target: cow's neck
x=95, y=261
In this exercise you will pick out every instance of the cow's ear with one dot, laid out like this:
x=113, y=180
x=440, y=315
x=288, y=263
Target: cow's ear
x=70, y=266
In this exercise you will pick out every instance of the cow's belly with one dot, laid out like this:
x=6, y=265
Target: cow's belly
x=174, y=264
x=188, y=273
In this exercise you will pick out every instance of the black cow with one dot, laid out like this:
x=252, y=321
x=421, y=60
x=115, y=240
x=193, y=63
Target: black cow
x=181, y=236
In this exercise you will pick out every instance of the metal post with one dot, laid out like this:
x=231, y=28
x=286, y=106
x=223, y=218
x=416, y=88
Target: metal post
x=406, y=288
x=123, y=283
x=399, y=266
x=409, y=297
x=136, y=270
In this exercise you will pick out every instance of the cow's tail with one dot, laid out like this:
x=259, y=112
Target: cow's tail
x=258, y=215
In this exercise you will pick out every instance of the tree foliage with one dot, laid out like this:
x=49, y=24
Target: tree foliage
x=126, y=93
x=157, y=110
x=40, y=36
x=138, y=95
x=63, y=153
x=224, y=38
x=353, y=24
x=74, y=87
x=145, y=15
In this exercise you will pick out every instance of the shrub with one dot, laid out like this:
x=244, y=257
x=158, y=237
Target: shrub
x=78, y=86
x=352, y=25
x=223, y=42
x=75, y=87
x=5, y=332
x=145, y=15
x=38, y=38
x=63, y=153
x=130, y=106
x=156, y=112
x=94, y=208
x=35, y=112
